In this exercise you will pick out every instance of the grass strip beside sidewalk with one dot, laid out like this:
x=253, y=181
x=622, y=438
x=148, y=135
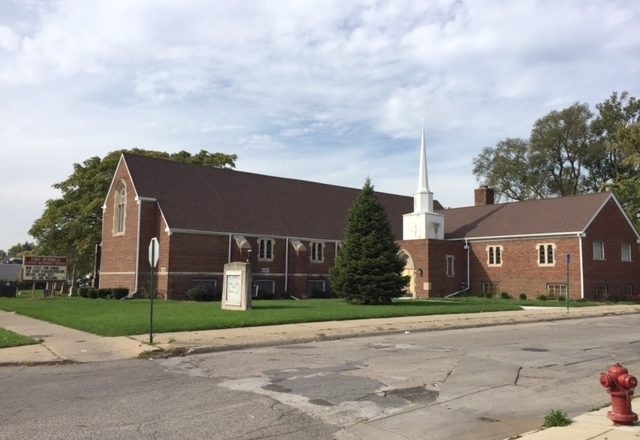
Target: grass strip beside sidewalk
x=11, y=339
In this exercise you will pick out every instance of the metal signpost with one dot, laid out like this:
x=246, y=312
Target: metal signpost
x=154, y=254
x=568, y=291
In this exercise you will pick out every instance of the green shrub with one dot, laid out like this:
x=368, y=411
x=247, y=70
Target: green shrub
x=84, y=292
x=523, y=296
x=104, y=293
x=505, y=295
x=542, y=297
x=562, y=298
x=92, y=293
x=199, y=294
x=119, y=292
x=556, y=417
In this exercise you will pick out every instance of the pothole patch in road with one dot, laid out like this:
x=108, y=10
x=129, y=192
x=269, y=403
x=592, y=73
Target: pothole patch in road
x=488, y=419
x=535, y=349
x=415, y=394
x=277, y=388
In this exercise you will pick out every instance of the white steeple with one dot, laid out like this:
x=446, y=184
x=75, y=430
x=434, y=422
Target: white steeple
x=423, y=198
x=423, y=223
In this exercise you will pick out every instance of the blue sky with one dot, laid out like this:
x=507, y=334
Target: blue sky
x=329, y=91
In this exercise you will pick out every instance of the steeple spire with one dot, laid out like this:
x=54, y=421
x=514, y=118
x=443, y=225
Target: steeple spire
x=423, y=179
x=423, y=198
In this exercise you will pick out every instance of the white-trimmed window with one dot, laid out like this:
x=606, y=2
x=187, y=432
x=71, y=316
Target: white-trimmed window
x=546, y=254
x=265, y=249
x=626, y=252
x=494, y=255
x=317, y=252
x=598, y=250
x=120, y=211
x=450, y=259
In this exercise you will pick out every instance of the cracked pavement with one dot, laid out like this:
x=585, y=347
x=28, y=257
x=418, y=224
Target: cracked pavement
x=481, y=383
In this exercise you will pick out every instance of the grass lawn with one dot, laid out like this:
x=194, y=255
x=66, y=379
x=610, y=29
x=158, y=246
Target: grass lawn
x=117, y=318
x=11, y=339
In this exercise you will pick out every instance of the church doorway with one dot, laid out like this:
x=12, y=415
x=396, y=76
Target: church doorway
x=409, y=271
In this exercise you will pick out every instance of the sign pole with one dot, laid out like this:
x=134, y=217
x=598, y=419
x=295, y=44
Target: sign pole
x=151, y=316
x=154, y=254
x=568, y=291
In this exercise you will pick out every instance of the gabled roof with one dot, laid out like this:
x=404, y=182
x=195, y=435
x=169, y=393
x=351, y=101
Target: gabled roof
x=205, y=199
x=532, y=217
x=199, y=198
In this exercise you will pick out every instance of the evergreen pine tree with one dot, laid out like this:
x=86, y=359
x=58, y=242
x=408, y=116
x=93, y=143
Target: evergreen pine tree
x=368, y=269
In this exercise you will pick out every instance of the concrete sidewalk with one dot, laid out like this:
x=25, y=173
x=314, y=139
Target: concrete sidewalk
x=62, y=344
x=591, y=426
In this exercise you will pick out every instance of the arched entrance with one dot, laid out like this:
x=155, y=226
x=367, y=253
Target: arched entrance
x=409, y=271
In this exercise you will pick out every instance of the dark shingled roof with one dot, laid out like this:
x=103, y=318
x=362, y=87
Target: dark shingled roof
x=200, y=198
x=548, y=216
x=223, y=200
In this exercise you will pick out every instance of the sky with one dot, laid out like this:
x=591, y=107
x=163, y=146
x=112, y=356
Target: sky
x=329, y=90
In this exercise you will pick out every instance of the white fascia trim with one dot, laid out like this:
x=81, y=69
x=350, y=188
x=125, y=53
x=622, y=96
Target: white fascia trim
x=515, y=237
x=265, y=236
x=113, y=178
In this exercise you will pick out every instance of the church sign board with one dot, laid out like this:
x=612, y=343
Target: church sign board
x=44, y=268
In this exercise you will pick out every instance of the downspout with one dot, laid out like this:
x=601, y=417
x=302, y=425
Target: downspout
x=580, y=236
x=135, y=284
x=286, y=267
x=229, y=253
x=467, y=247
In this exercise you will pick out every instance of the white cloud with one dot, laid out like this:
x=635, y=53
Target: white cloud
x=323, y=90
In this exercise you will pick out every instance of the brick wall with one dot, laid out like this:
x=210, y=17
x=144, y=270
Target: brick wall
x=612, y=228
x=117, y=265
x=520, y=271
x=429, y=256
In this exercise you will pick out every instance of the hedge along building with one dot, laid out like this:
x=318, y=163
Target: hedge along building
x=290, y=230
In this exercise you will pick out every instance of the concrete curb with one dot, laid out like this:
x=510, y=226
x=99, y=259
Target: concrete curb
x=361, y=329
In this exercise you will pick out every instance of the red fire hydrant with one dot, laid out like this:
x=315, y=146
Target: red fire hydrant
x=620, y=384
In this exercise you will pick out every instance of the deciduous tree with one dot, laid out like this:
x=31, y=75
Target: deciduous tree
x=71, y=225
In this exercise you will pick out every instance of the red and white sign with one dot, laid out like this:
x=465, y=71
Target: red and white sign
x=44, y=268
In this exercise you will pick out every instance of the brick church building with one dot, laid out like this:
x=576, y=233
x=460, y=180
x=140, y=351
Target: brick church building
x=290, y=231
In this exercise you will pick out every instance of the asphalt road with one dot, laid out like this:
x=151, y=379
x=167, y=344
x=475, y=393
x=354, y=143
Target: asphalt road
x=485, y=383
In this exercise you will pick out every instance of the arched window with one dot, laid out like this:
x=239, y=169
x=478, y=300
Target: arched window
x=120, y=209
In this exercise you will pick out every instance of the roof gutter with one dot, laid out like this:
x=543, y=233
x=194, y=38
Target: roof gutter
x=517, y=236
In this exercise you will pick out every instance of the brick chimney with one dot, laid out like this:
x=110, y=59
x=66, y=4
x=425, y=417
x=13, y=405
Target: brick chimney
x=483, y=196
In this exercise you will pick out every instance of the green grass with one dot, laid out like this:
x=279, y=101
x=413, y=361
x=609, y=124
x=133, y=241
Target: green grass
x=556, y=417
x=117, y=318
x=11, y=339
